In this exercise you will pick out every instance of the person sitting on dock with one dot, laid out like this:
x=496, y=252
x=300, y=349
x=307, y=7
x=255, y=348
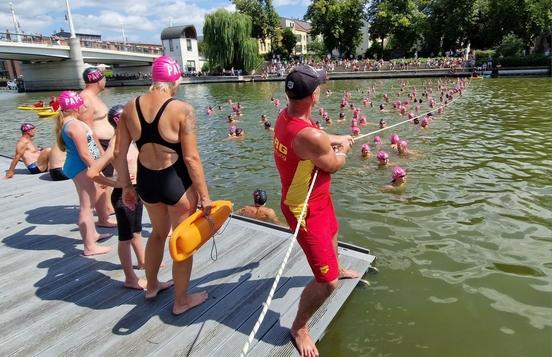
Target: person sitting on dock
x=34, y=157
x=258, y=210
x=300, y=148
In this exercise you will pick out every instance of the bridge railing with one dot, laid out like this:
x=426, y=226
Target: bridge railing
x=61, y=41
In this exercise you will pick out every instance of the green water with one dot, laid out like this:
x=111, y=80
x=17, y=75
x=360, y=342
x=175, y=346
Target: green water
x=465, y=253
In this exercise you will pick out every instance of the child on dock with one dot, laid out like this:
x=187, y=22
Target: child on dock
x=129, y=222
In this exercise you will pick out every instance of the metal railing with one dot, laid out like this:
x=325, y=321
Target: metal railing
x=85, y=43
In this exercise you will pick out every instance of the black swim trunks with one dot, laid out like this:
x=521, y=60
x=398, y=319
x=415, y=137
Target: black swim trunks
x=128, y=221
x=108, y=169
x=57, y=174
x=167, y=185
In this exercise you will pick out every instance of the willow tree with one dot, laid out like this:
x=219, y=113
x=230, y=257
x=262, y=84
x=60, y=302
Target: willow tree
x=228, y=42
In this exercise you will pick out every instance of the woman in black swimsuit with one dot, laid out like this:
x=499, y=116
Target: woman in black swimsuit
x=170, y=178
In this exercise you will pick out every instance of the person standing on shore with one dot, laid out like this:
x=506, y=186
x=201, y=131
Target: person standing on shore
x=75, y=137
x=299, y=149
x=170, y=178
x=96, y=118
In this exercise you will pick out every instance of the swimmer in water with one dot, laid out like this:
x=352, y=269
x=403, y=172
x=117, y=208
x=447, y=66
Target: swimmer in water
x=383, y=159
x=394, y=140
x=268, y=126
x=259, y=210
x=402, y=148
x=382, y=123
x=365, y=151
x=398, y=181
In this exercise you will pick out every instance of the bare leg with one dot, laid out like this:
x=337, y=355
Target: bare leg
x=344, y=273
x=131, y=280
x=43, y=159
x=312, y=298
x=104, y=208
x=138, y=247
x=87, y=192
x=183, y=270
x=156, y=247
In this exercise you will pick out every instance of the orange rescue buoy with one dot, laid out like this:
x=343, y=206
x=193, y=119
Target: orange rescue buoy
x=197, y=229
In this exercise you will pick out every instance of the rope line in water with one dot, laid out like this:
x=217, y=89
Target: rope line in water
x=266, y=304
x=268, y=300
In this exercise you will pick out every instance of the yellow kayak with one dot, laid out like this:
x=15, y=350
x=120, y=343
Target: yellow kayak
x=30, y=107
x=46, y=113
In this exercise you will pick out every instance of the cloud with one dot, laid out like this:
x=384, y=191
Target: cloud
x=291, y=2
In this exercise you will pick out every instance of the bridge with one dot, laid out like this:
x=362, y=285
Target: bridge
x=51, y=62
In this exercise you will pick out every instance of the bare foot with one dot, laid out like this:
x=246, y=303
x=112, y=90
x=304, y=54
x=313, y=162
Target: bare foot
x=152, y=293
x=97, y=250
x=347, y=274
x=103, y=236
x=138, y=284
x=304, y=342
x=106, y=224
x=191, y=301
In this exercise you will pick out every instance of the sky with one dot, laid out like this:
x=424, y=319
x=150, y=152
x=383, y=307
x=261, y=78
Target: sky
x=143, y=20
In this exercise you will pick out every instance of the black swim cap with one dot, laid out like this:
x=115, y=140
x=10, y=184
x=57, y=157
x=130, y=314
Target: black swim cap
x=259, y=197
x=239, y=131
x=92, y=75
x=114, y=115
x=267, y=124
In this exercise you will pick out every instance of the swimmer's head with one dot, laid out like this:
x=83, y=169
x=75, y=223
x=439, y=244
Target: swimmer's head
x=267, y=124
x=355, y=130
x=259, y=197
x=382, y=156
x=402, y=146
x=377, y=139
x=395, y=139
x=341, y=115
x=239, y=131
x=424, y=122
x=398, y=172
x=26, y=127
x=69, y=100
x=92, y=75
x=114, y=115
x=165, y=69
x=365, y=149
x=232, y=130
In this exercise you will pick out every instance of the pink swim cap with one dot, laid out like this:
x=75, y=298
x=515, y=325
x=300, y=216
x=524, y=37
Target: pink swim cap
x=355, y=130
x=365, y=147
x=424, y=122
x=395, y=139
x=232, y=129
x=382, y=155
x=411, y=115
x=165, y=69
x=69, y=100
x=398, y=172
x=403, y=144
x=377, y=139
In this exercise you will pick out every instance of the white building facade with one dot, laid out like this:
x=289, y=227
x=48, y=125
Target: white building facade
x=180, y=42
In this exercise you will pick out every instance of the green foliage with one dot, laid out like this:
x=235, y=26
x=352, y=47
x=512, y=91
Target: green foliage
x=339, y=22
x=317, y=48
x=228, y=42
x=511, y=45
x=264, y=18
x=288, y=41
x=523, y=61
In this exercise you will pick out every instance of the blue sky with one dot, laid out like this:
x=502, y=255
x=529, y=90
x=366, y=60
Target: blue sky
x=143, y=20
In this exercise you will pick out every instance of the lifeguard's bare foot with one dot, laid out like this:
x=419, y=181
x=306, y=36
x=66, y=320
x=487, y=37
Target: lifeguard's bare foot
x=192, y=300
x=138, y=284
x=151, y=293
x=348, y=274
x=96, y=250
x=304, y=343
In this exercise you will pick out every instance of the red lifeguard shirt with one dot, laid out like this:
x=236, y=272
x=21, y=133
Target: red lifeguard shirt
x=296, y=174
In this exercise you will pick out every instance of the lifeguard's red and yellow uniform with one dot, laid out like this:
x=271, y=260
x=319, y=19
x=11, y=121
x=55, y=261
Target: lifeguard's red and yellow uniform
x=319, y=225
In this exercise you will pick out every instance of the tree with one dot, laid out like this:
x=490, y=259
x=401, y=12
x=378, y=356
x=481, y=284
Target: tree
x=228, y=42
x=339, y=22
x=264, y=18
x=289, y=41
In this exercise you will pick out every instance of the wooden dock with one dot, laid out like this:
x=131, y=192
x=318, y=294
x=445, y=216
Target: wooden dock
x=55, y=301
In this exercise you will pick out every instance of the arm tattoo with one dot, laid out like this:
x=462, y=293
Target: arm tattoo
x=190, y=121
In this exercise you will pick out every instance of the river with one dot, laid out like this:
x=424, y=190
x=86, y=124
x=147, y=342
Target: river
x=464, y=254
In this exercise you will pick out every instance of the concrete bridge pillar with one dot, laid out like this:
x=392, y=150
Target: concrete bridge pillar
x=56, y=75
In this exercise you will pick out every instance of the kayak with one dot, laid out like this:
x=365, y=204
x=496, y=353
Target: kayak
x=30, y=107
x=46, y=113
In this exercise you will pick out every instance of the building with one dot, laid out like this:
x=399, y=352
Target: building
x=302, y=30
x=180, y=42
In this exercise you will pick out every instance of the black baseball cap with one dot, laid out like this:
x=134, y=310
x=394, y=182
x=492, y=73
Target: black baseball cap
x=303, y=80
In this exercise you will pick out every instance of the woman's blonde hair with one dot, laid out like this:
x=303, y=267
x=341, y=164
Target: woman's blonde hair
x=165, y=86
x=59, y=126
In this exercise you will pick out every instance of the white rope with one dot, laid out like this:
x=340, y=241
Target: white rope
x=266, y=304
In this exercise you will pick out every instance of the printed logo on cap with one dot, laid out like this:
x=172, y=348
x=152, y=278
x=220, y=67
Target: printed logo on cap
x=290, y=84
x=94, y=76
